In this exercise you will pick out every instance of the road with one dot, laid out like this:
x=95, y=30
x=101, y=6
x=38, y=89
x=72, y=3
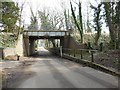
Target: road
x=53, y=72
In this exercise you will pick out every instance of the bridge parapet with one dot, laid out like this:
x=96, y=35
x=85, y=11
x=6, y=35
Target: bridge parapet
x=45, y=33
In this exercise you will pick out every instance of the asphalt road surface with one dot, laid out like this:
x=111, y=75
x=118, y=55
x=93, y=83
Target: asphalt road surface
x=53, y=72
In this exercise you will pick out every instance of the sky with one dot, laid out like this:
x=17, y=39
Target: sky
x=57, y=5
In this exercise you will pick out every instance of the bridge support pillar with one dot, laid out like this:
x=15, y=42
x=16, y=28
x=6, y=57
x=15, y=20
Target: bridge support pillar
x=22, y=45
x=26, y=46
x=32, y=46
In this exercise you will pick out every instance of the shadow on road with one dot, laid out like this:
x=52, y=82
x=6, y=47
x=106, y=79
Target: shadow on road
x=42, y=53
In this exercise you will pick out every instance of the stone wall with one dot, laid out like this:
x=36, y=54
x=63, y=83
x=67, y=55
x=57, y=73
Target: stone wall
x=9, y=52
x=19, y=46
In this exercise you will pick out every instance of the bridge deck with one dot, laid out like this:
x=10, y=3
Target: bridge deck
x=45, y=33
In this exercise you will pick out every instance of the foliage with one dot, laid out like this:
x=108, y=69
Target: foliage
x=51, y=21
x=10, y=15
x=112, y=18
x=7, y=40
x=45, y=22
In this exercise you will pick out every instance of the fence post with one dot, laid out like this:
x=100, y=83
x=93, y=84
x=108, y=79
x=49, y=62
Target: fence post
x=69, y=52
x=81, y=54
x=61, y=51
x=74, y=52
x=92, y=57
x=18, y=57
x=57, y=42
x=101, y=47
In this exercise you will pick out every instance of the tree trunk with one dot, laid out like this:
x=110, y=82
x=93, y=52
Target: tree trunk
x=107, y=7
x=53, y=42
x=79, y=26
x=118, y=23
x=97, y=36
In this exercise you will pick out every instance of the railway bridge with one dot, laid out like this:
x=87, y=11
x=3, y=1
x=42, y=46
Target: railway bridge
x=26, y=41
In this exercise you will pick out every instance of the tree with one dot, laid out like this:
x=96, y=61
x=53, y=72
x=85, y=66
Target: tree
x=88, y=29
x=112, y=19
x=10, y=15
x=51, y=21
x=44, y=19
x=79, y=24
x=20, y=27
x=117, y=21
x=34, y=21
x=97, y=21
x=66, y=19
